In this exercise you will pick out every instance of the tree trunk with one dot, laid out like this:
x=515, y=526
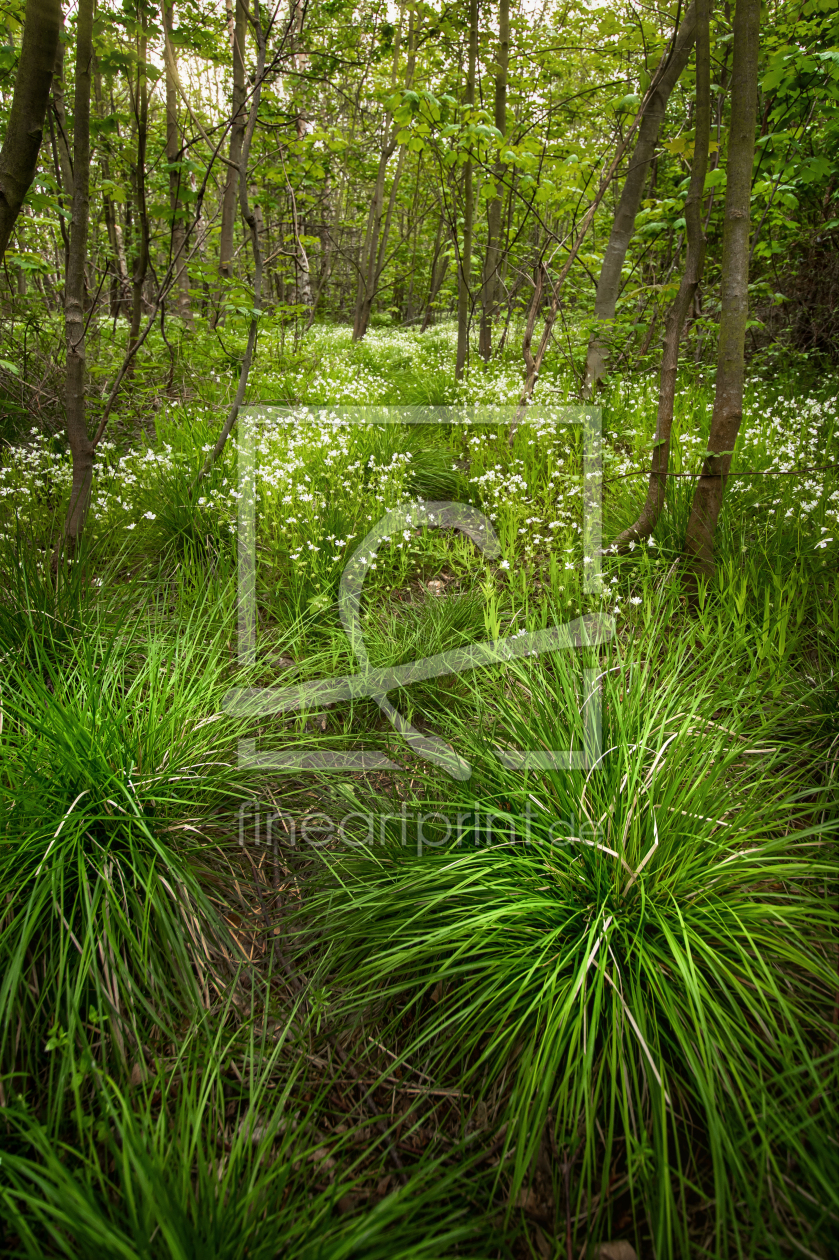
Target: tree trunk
x=201, y=242
x=120, y=286
x=81, y=447
x=61, y=145
x=374, y=250
x=465, y=261
x=413, y=234
x=253, y=219
x=229, y=207
x=303, y=273
x=141, y=260
x=608, y=286
x=22, y=142
x=492, y=260
x=464, y=273
x=533, y=362
x=364, y=291
x=173, y=157
x=694, y=260
x=438, y=272
x=728, y=400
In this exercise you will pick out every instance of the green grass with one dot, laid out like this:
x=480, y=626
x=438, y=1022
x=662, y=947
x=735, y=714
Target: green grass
x=612, y=1017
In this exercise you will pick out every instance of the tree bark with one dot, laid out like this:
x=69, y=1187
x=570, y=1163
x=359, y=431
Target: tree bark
x=303, y=271
x=22, y=142
x=81, y=447
x=120, y=286
x=61, y=144
x=375, y=247
x=229, y=207
x=365, y=290
x=173, y=157
x=728, y=399
x=464, y=272
x=438, y=271
x=253, y=218
x=533, y=362
x=141, y=259
x=492, y=261
x=608, y=286
x=694, y=261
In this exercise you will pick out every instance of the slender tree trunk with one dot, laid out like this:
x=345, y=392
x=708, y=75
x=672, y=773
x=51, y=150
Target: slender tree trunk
x=492, y=261
x=229, y=209
x=252, y=217
x=381, y=257
x=201, y=241
x=438, y=271
x=533, y=362
x=374, y=250
x=303, y=272
x=413, y=235
x=22, y=142
x=122, y=267
x=173, y=157
x=364, y=289
x=323, y=280
x=141, y=260
x=464, y=274
x=120, y=287
x=80, y=444
x=608, y=286
x=61, y=145
x=694, y=260
x=728, y=400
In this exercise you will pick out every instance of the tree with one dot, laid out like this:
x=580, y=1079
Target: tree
x=230, y=203
x=694, y=261
x=464, y=270
x=533, y=362
x=492, y=259
x=141, y=119
x=22, y=142
x=728, y=399
x=252, y=223
x=377, y=231
x=623, y=225
x=120, y=297
x=60, y=136
x=80, y=444
x=173, y=155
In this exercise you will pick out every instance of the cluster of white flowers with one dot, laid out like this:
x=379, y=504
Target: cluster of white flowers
x=793, y=436
x=36, y=475
x=780, y=439
x=322, y=479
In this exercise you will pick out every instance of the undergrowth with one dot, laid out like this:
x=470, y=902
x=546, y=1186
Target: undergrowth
x=386, y=1012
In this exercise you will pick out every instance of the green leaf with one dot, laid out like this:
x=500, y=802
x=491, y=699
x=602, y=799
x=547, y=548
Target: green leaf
x=626, y=104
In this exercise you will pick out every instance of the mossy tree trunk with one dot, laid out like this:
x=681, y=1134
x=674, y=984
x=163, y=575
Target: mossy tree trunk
x=22, y=142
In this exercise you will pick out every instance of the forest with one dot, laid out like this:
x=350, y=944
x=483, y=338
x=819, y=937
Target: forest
x=419, y=629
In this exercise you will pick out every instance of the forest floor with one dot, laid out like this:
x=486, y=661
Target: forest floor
x=326, y=1008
